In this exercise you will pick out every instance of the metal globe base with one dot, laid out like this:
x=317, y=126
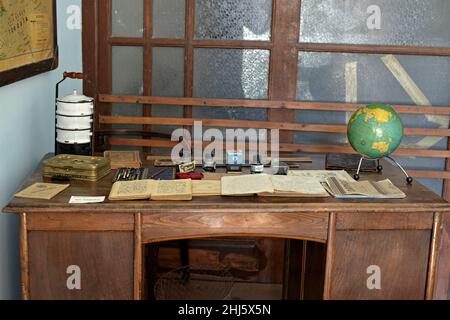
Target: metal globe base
x=409, y=179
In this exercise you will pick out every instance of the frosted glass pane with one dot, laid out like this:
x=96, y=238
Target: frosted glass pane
x=168, y=72
x=169, y=19
x=322, y=77
x=384, y=22
x=168, y=81
x=127, y=64
x=127, y=18
x=233, y=19
x=127, y=79
x=231, y=74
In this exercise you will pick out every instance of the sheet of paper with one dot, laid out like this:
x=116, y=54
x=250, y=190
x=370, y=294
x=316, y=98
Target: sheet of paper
x=42, y=191
x=246, y=185
x=299, y=185
x=321, y=175
x=86, y=200
x=206, y=187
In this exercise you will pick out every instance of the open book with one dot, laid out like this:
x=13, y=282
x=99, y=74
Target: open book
x=273, y=186
x=158, y=190
x=344, y=189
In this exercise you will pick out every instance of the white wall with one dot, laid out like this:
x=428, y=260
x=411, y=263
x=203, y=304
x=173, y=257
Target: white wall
x=27, y=134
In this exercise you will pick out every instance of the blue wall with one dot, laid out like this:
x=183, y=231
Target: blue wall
x=26, y=135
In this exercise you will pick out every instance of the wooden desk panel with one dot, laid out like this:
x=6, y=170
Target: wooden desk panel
x=402, y=257
x=105, y=260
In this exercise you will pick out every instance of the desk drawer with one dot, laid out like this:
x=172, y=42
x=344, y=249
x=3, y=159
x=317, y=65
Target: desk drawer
x=385, y=221
x=182, y=225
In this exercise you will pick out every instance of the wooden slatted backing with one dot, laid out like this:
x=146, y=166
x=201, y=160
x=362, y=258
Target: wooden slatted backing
x=283, y=126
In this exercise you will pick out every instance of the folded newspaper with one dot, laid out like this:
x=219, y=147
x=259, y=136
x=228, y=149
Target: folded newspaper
x=344, y=189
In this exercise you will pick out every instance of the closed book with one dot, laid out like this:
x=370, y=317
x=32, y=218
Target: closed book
x=132, y=190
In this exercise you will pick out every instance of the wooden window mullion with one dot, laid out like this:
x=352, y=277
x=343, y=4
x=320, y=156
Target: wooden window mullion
x=104, y=60
x=189, y=55
x=284, y=60
x=148, y=61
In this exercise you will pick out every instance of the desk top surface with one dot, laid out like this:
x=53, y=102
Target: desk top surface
x=419, y=198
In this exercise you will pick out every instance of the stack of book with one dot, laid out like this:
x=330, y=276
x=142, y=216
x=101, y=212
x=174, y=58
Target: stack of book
x=124, y=159
x=343, y=189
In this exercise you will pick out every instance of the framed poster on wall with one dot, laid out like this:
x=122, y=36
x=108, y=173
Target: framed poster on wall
x=28, y=39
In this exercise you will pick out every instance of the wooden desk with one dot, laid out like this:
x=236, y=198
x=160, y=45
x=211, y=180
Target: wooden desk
x=407, y=239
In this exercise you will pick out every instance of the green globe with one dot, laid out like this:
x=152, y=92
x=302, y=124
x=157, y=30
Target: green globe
x=375, y=131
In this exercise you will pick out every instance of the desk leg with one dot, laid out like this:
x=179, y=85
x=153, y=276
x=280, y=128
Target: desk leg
x=138, y=257
x=442, y=288
x=24, y=261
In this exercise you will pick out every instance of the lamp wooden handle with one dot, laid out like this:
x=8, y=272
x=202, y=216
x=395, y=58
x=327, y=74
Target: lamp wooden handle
x=75, y=75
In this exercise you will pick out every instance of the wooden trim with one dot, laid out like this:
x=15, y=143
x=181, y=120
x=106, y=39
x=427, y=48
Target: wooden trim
x=373, y=49
x=349, y=150
x=434, y=255
x=330, y=257
x=138, y=257
x=126, y=42
x=268, y=104
x=429, y=174
x=189, y=41
x=293, y=148
x=25, y=268
x=232, y=44
x=236, y=207
x=283, y=126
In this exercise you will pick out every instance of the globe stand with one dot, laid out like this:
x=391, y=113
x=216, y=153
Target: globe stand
x=409, y=179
